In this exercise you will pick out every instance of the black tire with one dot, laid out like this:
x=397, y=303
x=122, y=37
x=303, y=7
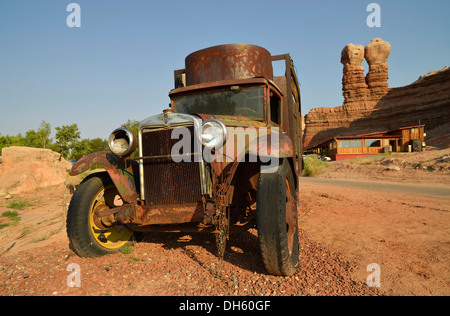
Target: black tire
x=86, y=238
x=277, y=224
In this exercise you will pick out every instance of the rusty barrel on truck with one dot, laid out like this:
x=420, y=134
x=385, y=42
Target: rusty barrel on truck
x=228, y=62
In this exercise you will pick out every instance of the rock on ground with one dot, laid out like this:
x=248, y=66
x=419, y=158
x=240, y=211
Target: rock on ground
x=24, y=169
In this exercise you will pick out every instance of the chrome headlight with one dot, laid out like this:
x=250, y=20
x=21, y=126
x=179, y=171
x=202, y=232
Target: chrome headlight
x=214, y=133
x=122, y=142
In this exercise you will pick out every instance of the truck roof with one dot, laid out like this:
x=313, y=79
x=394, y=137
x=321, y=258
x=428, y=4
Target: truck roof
x=224, y=83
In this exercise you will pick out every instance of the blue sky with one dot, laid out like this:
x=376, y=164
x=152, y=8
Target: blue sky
x=119, y=64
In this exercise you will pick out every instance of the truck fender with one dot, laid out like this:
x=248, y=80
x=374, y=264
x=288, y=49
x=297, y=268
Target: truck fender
x=267, y=147
x=123, y=172
x=283, y=148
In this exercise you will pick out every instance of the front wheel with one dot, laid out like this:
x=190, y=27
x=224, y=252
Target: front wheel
x=276, y=216
x=87, y=235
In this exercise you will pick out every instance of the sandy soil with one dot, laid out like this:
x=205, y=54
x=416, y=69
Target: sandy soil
x=422, y=167
x=342, y=231
x=408, y=236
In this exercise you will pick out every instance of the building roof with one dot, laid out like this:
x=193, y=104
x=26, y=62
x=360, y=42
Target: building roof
x=375, y=136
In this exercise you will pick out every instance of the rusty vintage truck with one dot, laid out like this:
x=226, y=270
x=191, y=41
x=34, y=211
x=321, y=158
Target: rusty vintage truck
x=225, y=157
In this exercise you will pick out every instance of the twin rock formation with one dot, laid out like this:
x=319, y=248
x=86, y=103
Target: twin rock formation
x=371, y=106
x=374, y=85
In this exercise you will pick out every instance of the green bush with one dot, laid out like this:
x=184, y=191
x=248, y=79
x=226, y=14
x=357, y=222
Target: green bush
x=12, y=216
x=313, y=166
x=18, y=205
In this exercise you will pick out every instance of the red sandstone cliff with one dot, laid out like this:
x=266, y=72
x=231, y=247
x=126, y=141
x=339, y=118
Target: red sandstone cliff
x=371, y=106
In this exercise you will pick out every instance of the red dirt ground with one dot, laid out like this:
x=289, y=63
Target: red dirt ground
x=342, y=231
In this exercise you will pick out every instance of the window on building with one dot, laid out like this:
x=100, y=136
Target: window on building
x=350, y=143
x=373, y=142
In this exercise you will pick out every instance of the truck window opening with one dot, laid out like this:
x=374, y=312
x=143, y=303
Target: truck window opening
x=275, y=109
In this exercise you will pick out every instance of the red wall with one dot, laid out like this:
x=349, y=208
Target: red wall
x=348, y=156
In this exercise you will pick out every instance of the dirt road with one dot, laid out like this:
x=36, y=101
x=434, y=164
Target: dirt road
x=343, y=230
x=437, y=190
x=406, y=234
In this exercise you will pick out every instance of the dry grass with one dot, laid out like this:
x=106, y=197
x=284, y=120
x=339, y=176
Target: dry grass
x=313, y=166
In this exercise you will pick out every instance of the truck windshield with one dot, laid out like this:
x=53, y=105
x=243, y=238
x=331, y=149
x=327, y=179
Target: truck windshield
x=235, y=100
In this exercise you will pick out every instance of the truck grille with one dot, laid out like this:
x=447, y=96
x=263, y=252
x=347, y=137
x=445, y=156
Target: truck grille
x=167, y=182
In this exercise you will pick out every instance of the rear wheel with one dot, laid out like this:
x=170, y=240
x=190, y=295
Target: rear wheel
x=88, y=235
x=276, y=215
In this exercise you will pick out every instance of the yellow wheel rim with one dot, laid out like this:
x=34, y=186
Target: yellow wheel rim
x=112, y=237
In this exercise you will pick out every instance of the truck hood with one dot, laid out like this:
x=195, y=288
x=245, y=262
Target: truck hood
x=231, y=120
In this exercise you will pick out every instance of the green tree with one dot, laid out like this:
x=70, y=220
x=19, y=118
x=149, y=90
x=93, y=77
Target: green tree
x=88, y=146
x=43, y=135
x=80, y=149
x=30, y=138
x=132, y=125
x=98, y=144
x=7, y=141
x=67, y=137
x=40, y=138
